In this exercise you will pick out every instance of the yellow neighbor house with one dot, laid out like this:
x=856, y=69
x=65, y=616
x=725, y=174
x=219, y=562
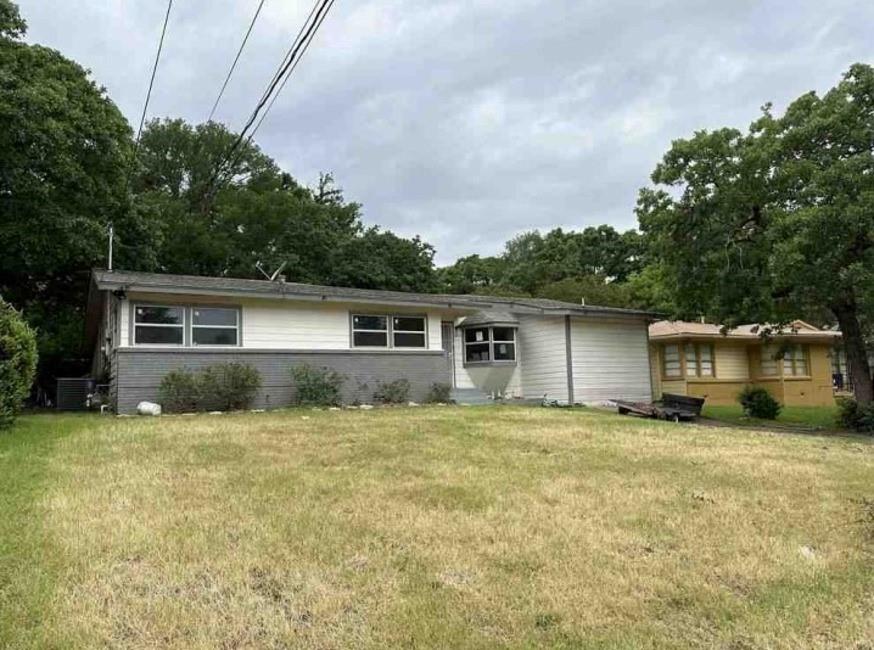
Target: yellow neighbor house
x=698, y=360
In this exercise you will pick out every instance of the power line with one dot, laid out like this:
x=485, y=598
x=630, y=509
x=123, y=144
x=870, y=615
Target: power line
x=152, y=80
x=286, y=67
x=290, y=72
x=236, y=59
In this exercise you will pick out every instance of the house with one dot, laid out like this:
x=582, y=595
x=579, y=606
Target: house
x=698, y=359
x=142, y=325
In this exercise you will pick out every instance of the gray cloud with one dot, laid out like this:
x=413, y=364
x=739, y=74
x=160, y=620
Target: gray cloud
x=469, y=121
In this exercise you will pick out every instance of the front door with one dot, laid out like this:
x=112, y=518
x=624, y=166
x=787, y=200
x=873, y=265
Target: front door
x=447, y=335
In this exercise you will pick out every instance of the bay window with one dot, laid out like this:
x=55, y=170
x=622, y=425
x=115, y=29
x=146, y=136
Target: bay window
x=488, y=344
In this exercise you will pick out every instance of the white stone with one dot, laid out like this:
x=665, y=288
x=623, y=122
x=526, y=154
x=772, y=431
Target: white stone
x=216, y=413
x=412, y=404
x=257, y=411
x=304, y=417
x=366, y=407
x=148, y=408
x=334, y=408
x=807, y=552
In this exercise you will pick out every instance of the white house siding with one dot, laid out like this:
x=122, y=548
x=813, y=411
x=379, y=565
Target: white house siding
x=289, y=324
x=544, y=357
x=610, y=360
x=462, y=376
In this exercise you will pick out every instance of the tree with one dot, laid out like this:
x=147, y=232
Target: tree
x=471, y=274
x=64, y=149
x=381, y=260
x=17, y=362
x=593, y=289
x=261, y=214
x=12, y=25
x=773, y=223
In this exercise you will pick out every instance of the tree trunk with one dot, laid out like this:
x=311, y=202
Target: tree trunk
x=854, y=344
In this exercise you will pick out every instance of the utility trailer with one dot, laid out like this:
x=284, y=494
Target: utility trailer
x=669, y=407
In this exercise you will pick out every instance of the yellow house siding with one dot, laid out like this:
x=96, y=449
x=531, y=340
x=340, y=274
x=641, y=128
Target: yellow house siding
x=732, y=362
x=738, y=364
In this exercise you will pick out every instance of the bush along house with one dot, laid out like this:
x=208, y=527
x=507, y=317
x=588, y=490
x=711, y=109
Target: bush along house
x=697, y=359
x=143, y=325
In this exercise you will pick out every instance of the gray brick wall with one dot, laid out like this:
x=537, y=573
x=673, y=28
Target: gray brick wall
x=137, y=373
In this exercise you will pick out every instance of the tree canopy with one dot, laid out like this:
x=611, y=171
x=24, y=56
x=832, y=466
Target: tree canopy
x=594, y=264
x=777, y=222
x=64, y=148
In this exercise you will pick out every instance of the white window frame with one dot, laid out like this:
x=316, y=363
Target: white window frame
x=389, y=331
x=423, y=332
x=236, y=326
x=135, y=325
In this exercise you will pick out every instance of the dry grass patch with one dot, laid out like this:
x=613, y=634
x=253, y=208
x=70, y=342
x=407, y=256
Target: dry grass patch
x=435, y=527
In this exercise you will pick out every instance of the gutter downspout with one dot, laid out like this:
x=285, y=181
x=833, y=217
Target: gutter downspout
x=569, y=360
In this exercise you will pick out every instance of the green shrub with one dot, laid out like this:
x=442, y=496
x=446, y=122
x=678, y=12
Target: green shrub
x=317, y=386
x=223, y=386
x=392, y=392
x=439, y=393
x=181, y=391
x=855, y=416
x=230, y=386
x=18, y=358
x=759, y=403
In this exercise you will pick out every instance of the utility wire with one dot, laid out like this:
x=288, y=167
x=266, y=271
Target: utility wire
x=236, y=59
x=306, y=33
x=152, y=80
x=290, y=72
x=133, y=158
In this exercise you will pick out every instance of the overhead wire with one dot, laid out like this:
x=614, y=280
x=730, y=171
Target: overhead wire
x=236, y=60
x=284, y=71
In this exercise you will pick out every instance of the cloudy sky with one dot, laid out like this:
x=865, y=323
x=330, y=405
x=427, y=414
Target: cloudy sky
x=468, y=121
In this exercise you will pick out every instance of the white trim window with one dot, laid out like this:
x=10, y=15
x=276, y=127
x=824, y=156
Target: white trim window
x=369, y=331
x=159, y=325
x=401, y=331
x=215, y=326
x=408, y=331
x=489, y=344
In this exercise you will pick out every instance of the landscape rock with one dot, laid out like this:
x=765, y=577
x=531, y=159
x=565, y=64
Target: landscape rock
x=412, y=404
x=807, y=552
x=148, y=408
x=216, y=412
x=366, y=407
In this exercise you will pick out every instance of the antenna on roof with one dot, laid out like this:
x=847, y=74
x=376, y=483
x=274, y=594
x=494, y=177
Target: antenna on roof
x=109, y=258
x=272, y=277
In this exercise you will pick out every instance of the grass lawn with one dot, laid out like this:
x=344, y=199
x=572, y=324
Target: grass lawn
x=820, y=417
x=477, y=527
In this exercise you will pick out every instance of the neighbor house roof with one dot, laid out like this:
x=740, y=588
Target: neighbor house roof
x=664, y=329
x=219, y=286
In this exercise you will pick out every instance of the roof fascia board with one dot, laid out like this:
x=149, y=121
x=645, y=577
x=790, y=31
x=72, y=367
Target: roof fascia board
x=180, y=290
